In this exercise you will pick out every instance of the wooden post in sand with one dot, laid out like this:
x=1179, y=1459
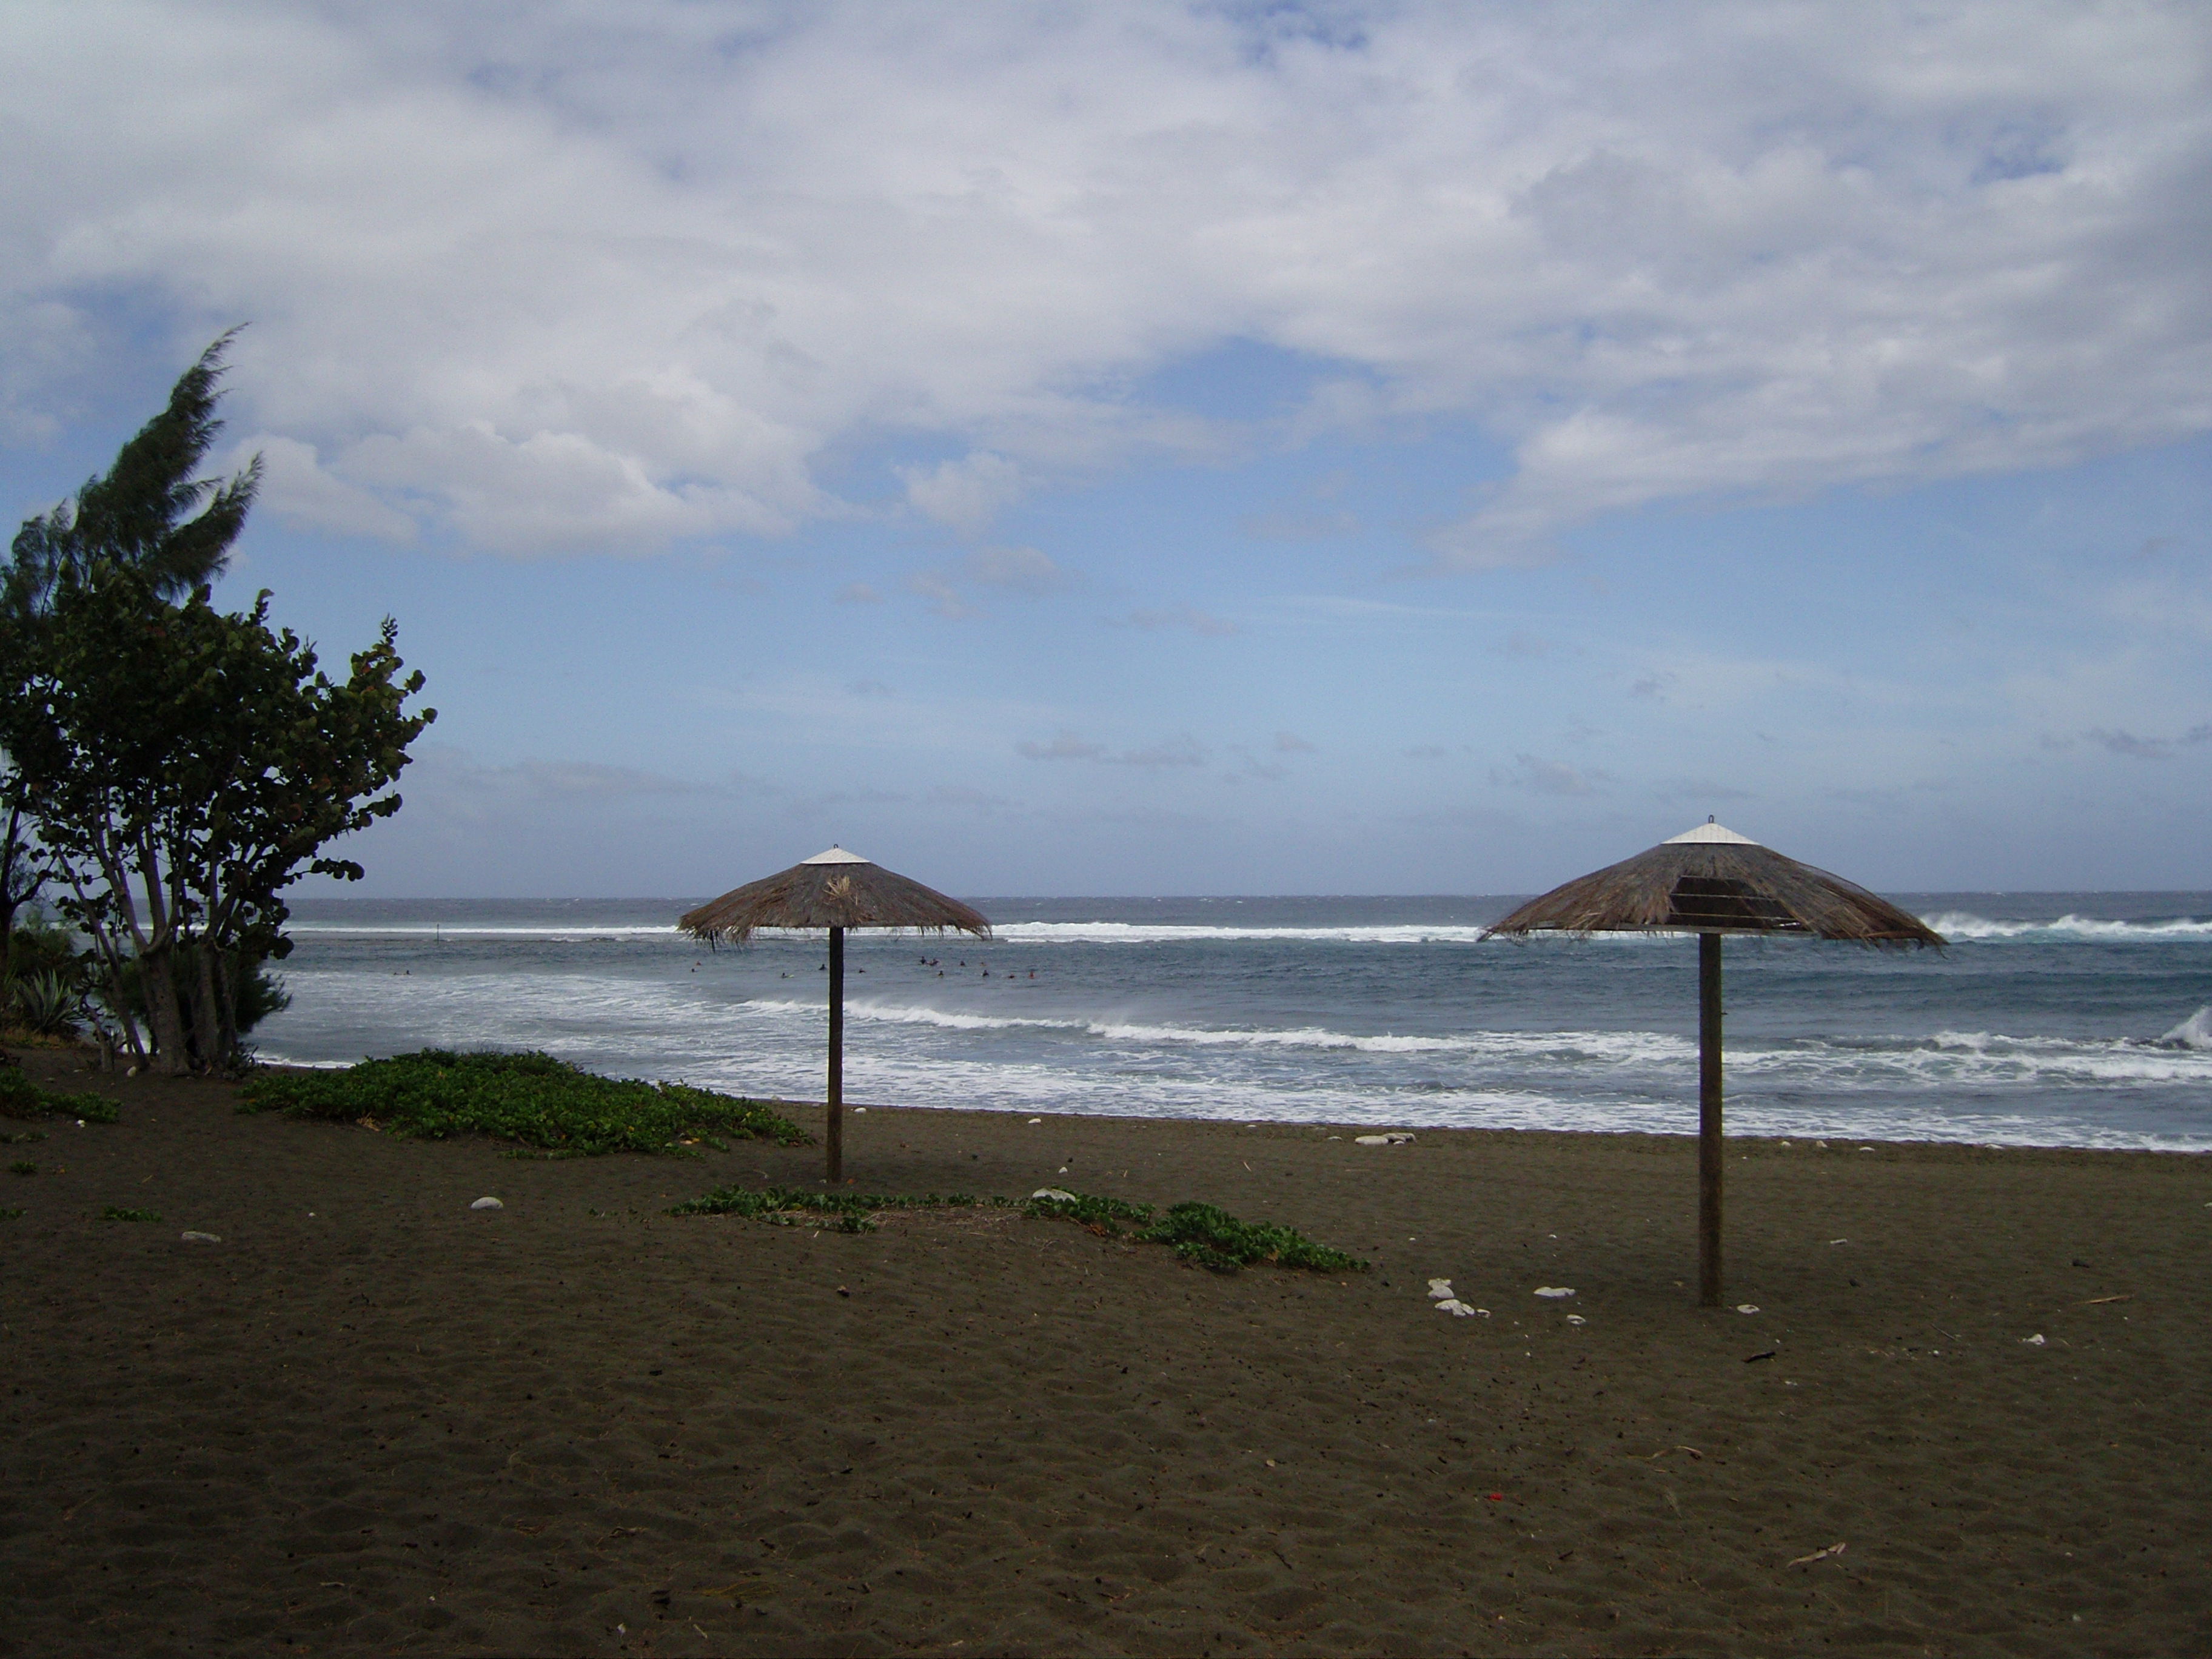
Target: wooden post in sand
x=1709, y=881
x=835, y=889
x=833, y=1132
x=1709, y=1120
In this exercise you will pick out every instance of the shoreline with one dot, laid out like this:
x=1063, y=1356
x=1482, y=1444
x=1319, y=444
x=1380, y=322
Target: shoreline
x=1350, y=1127
x=581, y=1424
x=1334, y=1009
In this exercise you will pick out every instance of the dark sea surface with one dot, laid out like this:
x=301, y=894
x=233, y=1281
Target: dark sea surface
x=2079, y=1020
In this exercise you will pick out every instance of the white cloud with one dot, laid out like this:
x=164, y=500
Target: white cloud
x=585, y=277
x=556, y=491
x=295, y=488
x=966, y=493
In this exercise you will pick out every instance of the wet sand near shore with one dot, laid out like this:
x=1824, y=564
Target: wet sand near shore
x=371, y=1419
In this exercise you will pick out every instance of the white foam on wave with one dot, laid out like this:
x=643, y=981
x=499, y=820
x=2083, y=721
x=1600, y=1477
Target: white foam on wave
x=890, y=1014
x=561, y=931
x=1857, y=1066
x=2195, y=1032
x=906, y=1078
x=1613, y=1047
x=1609, y=1047
x=1980, y=1059
x=677, y=1023
x=1147, y=932
x=1958, y=925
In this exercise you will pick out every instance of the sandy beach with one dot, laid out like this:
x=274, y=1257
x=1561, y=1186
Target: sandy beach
x=371, y=1419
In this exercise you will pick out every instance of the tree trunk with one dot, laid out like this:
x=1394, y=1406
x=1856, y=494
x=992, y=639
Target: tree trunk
x=157, y=983
x=157, y=967
x=207, y=1035
x=118, y=1005
x=11, y=849
x=226, y=985
x=14, y=848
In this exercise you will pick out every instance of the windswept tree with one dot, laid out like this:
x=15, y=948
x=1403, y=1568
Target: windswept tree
x=151, y=513
x=171, y=768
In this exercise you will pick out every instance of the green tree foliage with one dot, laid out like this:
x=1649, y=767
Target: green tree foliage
x=185, y=765
x=150, y=513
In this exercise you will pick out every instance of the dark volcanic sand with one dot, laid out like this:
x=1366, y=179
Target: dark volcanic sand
x=372, y=1420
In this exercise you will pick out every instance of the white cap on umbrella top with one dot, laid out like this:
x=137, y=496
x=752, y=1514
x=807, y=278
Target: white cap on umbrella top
x=839, y=856
x=1710, y=831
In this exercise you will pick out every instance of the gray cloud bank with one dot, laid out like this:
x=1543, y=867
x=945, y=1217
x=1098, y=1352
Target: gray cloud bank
x=550, y=278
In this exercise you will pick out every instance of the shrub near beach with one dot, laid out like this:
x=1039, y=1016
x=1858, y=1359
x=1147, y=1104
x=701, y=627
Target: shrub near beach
x=19, y=1097
x=531, y=1099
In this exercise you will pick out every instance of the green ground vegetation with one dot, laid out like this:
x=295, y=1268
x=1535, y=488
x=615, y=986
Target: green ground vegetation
x=1204, y=1234
x=530, y=1098
x=1208, y=1237
x=21, y=1097
x=1101, y=1215
x=122, y=1213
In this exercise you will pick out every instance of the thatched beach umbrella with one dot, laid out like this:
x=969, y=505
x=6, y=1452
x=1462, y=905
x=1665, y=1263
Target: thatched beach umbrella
x=834, y=889
x=1710, y=881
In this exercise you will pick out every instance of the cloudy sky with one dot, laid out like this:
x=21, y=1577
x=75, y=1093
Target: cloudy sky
x=1201, y=447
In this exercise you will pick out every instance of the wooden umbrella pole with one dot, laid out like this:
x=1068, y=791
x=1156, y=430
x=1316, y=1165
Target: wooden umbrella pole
x=1709, y=1120
x=834, y=1131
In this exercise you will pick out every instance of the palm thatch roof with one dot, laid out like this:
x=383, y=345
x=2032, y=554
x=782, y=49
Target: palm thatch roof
x=836, y=888
x=1712, y=880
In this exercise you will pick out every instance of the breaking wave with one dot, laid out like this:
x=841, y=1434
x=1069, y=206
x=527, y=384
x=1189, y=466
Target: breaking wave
x=2193, y=1033
x=560, y=931
x=1146, y=932
x=1961, y=925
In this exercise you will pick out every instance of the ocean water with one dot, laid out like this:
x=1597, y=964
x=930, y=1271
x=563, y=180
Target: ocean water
x=2053, y=1019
